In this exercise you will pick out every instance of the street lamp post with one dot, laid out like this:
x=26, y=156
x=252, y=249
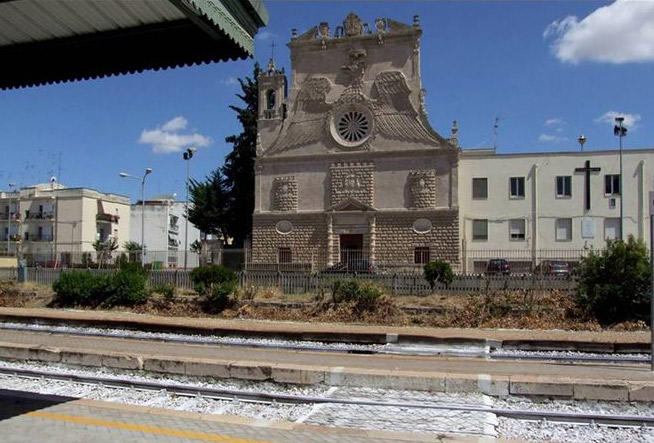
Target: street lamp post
x=11, y=185
x=188, y=155
x=142, y=179
x=582, y=141
x=620, y=131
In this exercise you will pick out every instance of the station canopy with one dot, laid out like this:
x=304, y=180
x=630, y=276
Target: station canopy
x=52, y=41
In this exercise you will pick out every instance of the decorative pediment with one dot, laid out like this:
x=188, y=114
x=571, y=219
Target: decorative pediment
x=351, y=204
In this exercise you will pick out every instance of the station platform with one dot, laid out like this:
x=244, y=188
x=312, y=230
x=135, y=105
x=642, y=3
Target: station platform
x=34, y=417
x=590, y=381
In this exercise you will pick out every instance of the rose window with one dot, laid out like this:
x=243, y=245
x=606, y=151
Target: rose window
x=351, y=125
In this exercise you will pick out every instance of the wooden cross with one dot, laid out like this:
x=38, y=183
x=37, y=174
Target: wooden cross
x=587, y=171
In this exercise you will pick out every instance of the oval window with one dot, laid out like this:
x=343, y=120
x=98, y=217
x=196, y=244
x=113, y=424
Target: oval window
x=422, y=226
x=284, y=227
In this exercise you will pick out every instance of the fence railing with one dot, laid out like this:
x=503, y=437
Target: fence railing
x=318, y=283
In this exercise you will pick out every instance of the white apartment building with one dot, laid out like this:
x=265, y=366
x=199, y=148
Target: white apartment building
x=51, y=225
x=165, y=232
x=528, y=207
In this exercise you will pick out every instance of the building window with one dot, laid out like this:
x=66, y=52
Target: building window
x=517, y=229
x=563, y=229
x=421, y=255
x=270, y=100
x=284, y=255
x=612, y=184
x=480, y=188
x=480, y=229
x=611, y=228
x=564, y=186
x=517, y=187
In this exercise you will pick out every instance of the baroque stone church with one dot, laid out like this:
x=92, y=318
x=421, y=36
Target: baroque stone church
x=346, y=158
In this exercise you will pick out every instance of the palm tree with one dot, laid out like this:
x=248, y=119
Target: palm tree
x=133, y=250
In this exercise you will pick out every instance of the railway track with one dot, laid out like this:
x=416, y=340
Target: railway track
x=576, y=418
x=373, y=349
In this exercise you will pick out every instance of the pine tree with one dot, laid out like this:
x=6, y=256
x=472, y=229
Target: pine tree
x=238, y=169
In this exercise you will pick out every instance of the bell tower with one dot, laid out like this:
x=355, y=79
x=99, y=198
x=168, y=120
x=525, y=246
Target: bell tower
x=272, y=106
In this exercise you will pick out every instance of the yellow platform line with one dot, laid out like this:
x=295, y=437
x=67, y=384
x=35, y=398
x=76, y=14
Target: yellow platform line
x=142, y=428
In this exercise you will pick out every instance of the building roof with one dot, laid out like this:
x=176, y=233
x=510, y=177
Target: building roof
x=52, y=41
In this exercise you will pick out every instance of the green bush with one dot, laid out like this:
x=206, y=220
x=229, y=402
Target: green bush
x=438, y=271
x=206, y=277
x=165, y=289
x=363, y=295
x=81, y=288
x=128, y=288
x=614, y=283
x=219, y=298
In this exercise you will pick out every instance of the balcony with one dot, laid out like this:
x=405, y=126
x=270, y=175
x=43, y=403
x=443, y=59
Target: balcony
x=40, y=216
x=173, y=228
x=14, y=217
x=109, y=218
x=39, y=238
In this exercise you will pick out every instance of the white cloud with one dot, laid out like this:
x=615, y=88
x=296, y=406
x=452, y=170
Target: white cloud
x=175, y=124
x=556, y=121
x=264, y=35
x=167, y=139
x=630, y=120
x=621, y=32
x=550, y=138
x=229, y=81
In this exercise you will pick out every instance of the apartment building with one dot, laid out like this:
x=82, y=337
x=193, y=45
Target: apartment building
x=165, y=238
x=50, y=224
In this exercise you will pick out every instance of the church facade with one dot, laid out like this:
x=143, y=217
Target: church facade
x=347, y=163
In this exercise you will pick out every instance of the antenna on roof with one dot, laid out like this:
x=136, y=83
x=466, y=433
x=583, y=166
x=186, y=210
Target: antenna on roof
x=496, y=127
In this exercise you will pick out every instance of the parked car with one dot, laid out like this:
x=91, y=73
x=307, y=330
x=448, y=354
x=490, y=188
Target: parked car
x=555, y=267
x=359, y=266
x=497, y=266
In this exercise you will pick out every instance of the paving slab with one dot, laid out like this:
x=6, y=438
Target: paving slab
x=34, y=417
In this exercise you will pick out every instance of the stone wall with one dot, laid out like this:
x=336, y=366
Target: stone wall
x=285, y=193
x=307, y=239
x=422, y=187
x=395, y=238
x=352, y=180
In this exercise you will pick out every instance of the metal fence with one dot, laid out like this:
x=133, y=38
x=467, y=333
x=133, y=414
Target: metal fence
x=404, y=283
x=317, y=283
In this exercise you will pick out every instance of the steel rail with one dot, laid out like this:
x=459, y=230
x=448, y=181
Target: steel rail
x=397, y=350
x=277, y=398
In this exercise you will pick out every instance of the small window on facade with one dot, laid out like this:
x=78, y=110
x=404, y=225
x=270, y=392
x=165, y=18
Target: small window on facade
x=421, y=255
x=480, y=229
x=270, y=100
x=517, y=229
x=480, y=188
x=564, y=186
x=563, y=228
x=612, y=184
x=517, y=187
x=284, y=255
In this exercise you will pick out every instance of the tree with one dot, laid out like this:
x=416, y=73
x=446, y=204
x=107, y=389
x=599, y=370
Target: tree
x=223, y=204
x=104, y=249
x=438, y=271
x=238, y=169
x=133, y=250
x=208, y=208
x=614, y=283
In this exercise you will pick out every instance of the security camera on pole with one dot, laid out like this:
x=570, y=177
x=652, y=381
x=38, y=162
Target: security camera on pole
x=188, y=155
x=620, y=131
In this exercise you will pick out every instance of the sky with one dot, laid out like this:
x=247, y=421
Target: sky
x=545, y=71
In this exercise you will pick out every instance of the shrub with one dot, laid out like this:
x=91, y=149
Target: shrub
x=128, y=287
x=438, y=271
x=165, y=289
x=206, y=277
x=219, y=298
x=81, y=288
x=364, y=296
x=614, y=283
